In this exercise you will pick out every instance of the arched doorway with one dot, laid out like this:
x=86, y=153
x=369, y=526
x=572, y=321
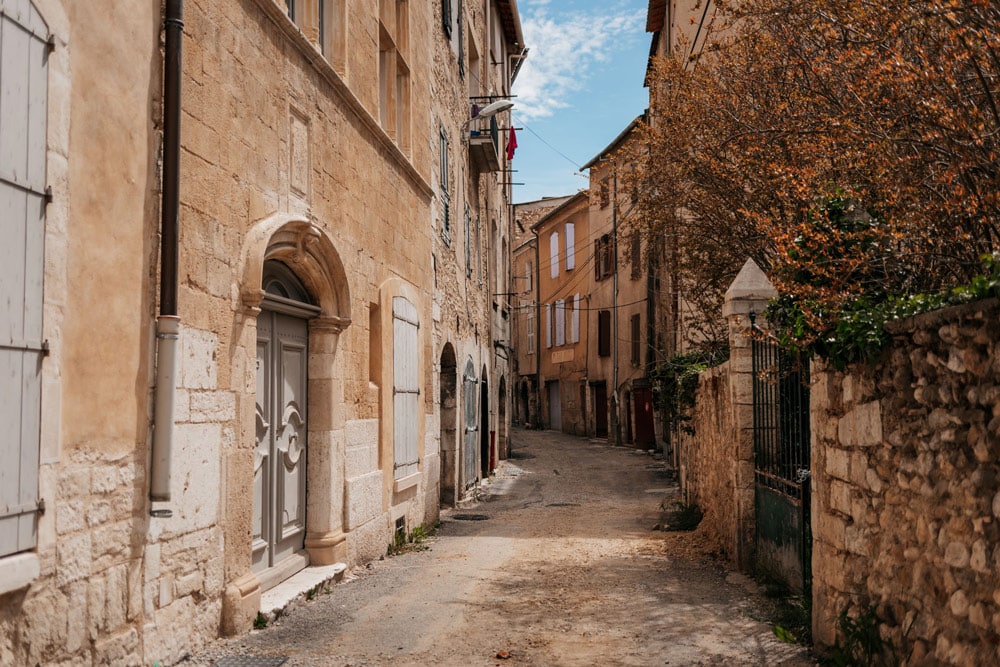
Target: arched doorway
x=502, y=419
x=485, y=434
x=449, y=418
x=279, y=482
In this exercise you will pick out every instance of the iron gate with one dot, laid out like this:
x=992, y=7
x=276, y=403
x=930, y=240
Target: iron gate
x=781, y=461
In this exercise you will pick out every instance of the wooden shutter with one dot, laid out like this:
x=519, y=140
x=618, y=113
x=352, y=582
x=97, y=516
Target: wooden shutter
x=548, y=325
x=597, y=259
x=23, y=110
x=576, y=319
x=560, y=322
x=530, y=338
x=570, y=246
x=604, y=333
x=636, y=333
x=406, y=387
x=554, y=255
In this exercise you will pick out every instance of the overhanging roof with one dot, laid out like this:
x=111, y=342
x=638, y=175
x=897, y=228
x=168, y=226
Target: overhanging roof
x=575, y=199
x=511, y=20
x=656, y=15
x=610, y=148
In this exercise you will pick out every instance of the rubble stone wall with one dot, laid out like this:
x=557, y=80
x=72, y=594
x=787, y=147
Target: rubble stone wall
x=906, y=491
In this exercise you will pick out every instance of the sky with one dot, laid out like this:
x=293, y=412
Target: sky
x=580, y=86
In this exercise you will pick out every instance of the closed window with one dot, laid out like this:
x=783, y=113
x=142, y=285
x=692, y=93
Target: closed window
x=394, y=71
x=548, y=325
x=604, y=333
x=554, y=255
x=406, y=387
x=560, y=322
x=604, y=257
x=529, y=276
x=636, y=340
x=24, y=54
x=575, y=320
x=443, y=178
x=635, y=255
x=570, y=246
x=529, y=338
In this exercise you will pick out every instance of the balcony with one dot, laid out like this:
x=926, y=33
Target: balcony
x=484, y=144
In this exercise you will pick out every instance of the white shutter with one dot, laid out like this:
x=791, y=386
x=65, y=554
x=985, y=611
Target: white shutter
x=554, y=255
x=23, y=110
x=530, y=338
x=528, y=277
x=560, y=322
x=570, y=246
x=548, y=325
x=405, y=386
x=576, y=318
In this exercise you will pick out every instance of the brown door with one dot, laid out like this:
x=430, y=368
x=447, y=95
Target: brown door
x=601, y=410
x=645, y=436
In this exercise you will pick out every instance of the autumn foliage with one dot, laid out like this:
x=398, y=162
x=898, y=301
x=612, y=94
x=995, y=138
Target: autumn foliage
x=850, y=147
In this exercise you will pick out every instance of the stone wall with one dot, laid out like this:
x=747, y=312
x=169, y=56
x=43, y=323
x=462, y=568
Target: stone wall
x=906, y=491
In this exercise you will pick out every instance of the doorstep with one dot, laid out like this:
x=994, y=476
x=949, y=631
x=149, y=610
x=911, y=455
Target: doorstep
x=276, y=599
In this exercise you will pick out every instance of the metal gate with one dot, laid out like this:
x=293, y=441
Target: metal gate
x=781, y=461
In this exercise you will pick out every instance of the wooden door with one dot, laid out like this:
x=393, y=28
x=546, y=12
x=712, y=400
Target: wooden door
x=601, y=410
x=555, y=407
x=469, y=400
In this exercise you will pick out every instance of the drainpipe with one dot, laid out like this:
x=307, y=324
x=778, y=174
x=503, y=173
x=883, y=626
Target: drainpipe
x=168, y=323
x=616, y=436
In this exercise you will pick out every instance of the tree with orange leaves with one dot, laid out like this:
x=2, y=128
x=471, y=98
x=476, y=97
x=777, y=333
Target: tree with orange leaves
x=851, y=147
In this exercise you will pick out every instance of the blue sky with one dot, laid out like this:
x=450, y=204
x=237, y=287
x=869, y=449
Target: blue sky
x=580, y=86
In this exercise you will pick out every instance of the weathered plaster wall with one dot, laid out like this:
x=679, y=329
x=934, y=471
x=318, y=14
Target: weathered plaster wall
x=906, y=492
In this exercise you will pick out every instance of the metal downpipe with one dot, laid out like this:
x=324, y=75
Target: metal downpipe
x=168, y=323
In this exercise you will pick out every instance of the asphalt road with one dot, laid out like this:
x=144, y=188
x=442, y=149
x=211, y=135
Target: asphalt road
x=557, y=564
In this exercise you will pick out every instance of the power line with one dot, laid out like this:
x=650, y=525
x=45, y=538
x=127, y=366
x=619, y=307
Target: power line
x=539, y=137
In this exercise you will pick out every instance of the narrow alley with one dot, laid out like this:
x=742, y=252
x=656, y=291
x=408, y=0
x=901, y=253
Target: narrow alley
x=557, y=564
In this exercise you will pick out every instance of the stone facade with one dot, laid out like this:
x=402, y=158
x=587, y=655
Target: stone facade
x=906, y=500
x=295, y=150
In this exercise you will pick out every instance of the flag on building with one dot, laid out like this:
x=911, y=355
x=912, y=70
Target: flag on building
x=511, y=144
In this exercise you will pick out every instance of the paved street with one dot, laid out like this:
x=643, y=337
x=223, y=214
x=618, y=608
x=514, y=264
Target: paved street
x=556, y=565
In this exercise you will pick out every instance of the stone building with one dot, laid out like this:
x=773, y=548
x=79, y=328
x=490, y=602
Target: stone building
x=478, y=51
x=289, y=338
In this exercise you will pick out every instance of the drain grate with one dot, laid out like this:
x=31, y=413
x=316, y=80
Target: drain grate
x=250, y=661
x=563, y=505
x=470, y=517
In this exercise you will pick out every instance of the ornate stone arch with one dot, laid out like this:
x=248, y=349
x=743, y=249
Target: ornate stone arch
x=308, y=251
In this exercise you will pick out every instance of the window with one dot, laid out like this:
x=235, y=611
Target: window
x=406, y=387
x=548, y=325
x=24, y=54
x=394, y=71
x=529, y=338
x=605, y=193
x=446, y=17
x=479, y=252
x=560, y=322
x=554, y=255
x=570, y=246
x=575, y=323
x=603, y=257
x=636, y=340
x=529, y=276
x=445, y=196
x=468, y=242
x=604, y=333
x=635, y=255
x=291, y=10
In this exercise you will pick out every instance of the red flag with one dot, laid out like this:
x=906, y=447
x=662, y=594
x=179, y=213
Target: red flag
x=511, y=144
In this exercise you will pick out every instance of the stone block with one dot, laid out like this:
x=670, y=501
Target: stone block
x=861, y=426
x=96, y=607
x=74, y=482
x=70, y=517
x=198, y=359
x=840, y=497
x=121, y=650
x=111, y=544
x=76, y=619
x=212, y=406
x=978, y=560
x=856, y=540
x=364, y=499
x=838, y=463
x=74, y=559
x=188, y=584
x=368, y=542
x=361, y=447
x=832, y=530
x=956, y=554
x=135, y=601
x=116, y=597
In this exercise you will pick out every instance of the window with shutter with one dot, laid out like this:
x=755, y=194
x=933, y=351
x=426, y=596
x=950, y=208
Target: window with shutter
x=636, y=340
x=548, y=325
x=560, y=322
x=554, y=255
x=604, y=333
x=570, y=246
x=405, y=386
x=576, y=319
x=530, y=337
x=23, y=110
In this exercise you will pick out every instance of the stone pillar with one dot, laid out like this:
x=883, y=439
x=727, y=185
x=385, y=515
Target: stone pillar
x=749, y=293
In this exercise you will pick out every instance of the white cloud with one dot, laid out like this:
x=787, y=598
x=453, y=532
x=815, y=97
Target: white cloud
x=562, y=50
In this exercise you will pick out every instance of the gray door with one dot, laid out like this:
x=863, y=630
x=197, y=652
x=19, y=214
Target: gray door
x=469, y=401
x=555, y=407
x=279, y=504
x=23, y=104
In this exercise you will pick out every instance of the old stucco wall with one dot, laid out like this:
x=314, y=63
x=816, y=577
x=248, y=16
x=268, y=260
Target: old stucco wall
x=906, y=492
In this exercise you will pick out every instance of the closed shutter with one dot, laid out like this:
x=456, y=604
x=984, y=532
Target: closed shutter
x=548, y=325
x=530, y=321
x=406, y=389
x=23, y=104
x=570, y=246
x=576, y=318
x=554, y=255
x=604, y=333
x=560, y=322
